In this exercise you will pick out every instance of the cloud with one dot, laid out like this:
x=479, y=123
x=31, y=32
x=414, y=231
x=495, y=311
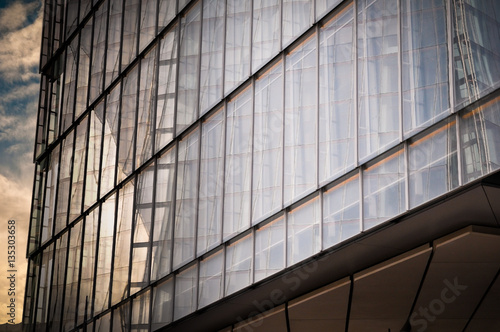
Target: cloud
x=20, y=45
x=14, y=16
x=15, y=200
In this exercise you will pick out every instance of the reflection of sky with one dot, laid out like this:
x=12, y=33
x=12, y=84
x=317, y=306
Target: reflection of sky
x=20, y=36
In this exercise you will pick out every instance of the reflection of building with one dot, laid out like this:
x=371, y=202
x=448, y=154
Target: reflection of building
x=267, y=165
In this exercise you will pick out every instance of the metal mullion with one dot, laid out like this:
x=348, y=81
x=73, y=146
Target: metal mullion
x=174, y=206
x=406, y=152
x=53, y=244
x=252, y=255
x=223, y=273
x=42, y=205
x=198, y=185
x=317, y=72
x=137, y=110
x=252, y=146
x=459, y=151
x=56, y=194
x=68, y=241
x=250, y=58
x=113, y=248
x=68, y=212
x=82, y=245
x=89, y=80
x=320, y=197
x=224, y=148
x=400, y=72
x=156, y=79
x=223, y=79
x=101, y=152
x=94, y=281
x=85, y=167
x=117, y=153
x=285, y=240
x=177, y=62
x=31, y=212
x=197, y=110
x=120, y=51
x=151, y=232
x=34, y=307
x=38, y=120
x=283, y=126
x=451, y=74
x=361, y=200
x=77, y=71
x=132, y=233
x=63, y=91
x=356, y=82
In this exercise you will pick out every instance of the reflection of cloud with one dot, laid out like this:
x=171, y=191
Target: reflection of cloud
x=15, y=201
x=20, y=49
x=14, y=16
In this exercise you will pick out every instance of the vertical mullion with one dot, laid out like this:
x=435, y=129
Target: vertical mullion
x=400, y=71
x=356, y=84
x=361, y=200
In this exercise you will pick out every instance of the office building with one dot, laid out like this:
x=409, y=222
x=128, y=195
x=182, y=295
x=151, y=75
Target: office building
x=267, y=165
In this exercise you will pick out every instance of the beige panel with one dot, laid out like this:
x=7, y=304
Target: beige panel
x=273, y=320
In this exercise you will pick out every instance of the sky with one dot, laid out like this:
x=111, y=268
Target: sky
x=20, y=36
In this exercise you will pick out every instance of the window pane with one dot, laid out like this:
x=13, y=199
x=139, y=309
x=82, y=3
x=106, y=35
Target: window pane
x=238, y=164
x=303, y=227
x=211, y=286
x=425, y=63
x=185, y=292
x=384, y=188
x=164, y=215
x=270, y=249
x=142, y=229
x=105, y=253
x=476, y=31
x=147, y=104
x=103, y=323
x=70, y=303
x=433, y=163
x=336, y=96
x=211, y=181
x=268, y=143
x=480, y=139
x=69, y=84
x=130, y=31
x=341, y=212
x=147, y=23
x=166, y=89
x=140, y=313
x=238, y=30
x=122, y=243
x=110, y=141
x=121, y=318
x=57, y=290
x=163, y=303
x=377, y=75
x=239, y=264
x=64, y=182
x=323, y=6
x=114, y=37
x=127, y=125
x=300, y=120
x=297, y=17
x=187, y=189
x=166, y=13
x=187, y=93
x=83, y=68
x=266, y=31
x=212, y=51
x=50, y=194
x=78, y=177
x=99, y=51
x=88, y=266
x=44, y=288
x=94, y=155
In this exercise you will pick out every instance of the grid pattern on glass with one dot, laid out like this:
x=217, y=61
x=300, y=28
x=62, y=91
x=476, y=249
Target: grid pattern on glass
x=238, y=264
x=270, y=248
x=211, y=283
x=186, y=292
x=72, y=276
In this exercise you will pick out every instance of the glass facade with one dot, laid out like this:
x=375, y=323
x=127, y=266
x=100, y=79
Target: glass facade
x=186, y=150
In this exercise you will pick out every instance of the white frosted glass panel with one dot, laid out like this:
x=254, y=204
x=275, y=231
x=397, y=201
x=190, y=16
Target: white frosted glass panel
x=187, y=195
x=211, y=182
x=211, y=286
x=164, y=215
x=127, y=125
x=50, y=194
x=105, y=254
x=378, y=121
x=384, y=188
x=270, y=249
x=187, y=89
x=341, y=212
x=166, y=12
x=55, y=309
x=122, y=243
x=323, y=6
x=337, y=117
x=130, y=32
x=45, y=280
x=70, y=76
x=185, y=292
x=97, y=70
x=78, y=176
x=163, y=295
x=82, y=86
x=268, y=143
x=303, y=231
x=212, y=52
x=114, y=38
x=425, y=65
x=433, y=163
x=300, y=120
x=480, y=139
x=94, y=155
x=166, y=89
x=266, y=31
x=103, y=323
x=140, y=312
x=297, y=17
x=147, y=22
x=63, y=190
x=147, y=105
x=238, y=33
x=238, y=264
x=142, y=229
x=238, y=164
x=109, y=149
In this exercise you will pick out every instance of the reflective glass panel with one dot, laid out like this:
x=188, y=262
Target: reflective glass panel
x=70, y=308
x=78, y=178
x=211, y=285
x=303, y=231
x=64, y=182
x=70, y=71
x=50, y=194
x=433, y=163
x=211, y=182
x=42, y=306
x=323, y=6
x=300, y=120
x=114, y=38
x=185, y=292
x=57, y=291
x=140, y=313
x=239, y=264
x=83, y=69
x=99, y=52
x=94, y=155
x=297, y=17
x=147, y=23
x=130, y=31
x=110, y=141
x=341, y=211
x=337, y=118
x=384, y=188
x=266, y=31
x=268, y=143
x=163, y=303
x=270, y=248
